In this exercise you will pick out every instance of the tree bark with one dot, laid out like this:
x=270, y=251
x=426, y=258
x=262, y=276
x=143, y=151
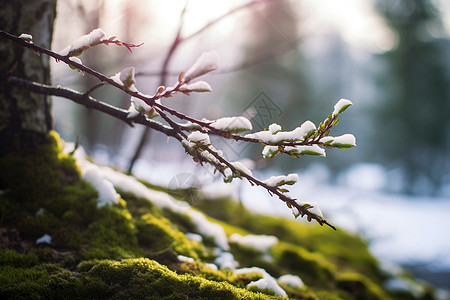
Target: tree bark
x=25, y=117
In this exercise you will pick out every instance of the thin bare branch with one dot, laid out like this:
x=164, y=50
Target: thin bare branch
x=89, y=102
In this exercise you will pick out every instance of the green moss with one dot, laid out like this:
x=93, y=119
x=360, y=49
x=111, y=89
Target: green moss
x=36, y=179
x=44, y=194
x=313, y=268
x=112, y=234
x=22, y=283
x=14, y=259
x=158, y=233
x=131, y=279
x=360, y=287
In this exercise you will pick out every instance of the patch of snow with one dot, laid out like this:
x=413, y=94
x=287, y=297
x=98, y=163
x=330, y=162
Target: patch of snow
x=292, y=280
x=209, y=229
x=44, y=239
x=104, y=179
x=258, y=242
x=183, y=258
x=217, y=190
x=194, y=237
x=267, y=282
x=106, y=192
x=211, y=266
x=226, y=260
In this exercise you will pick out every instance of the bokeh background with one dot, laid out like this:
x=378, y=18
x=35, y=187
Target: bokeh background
x=288, y=62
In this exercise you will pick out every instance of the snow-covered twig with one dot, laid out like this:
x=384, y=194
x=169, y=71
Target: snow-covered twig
x=194, y=135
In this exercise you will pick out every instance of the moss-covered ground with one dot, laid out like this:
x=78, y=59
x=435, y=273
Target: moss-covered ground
x=130, y=250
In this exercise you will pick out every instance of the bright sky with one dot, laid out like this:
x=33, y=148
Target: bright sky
x=354, y=19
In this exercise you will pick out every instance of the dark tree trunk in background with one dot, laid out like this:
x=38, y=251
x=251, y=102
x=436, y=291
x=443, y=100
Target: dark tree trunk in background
x=25, y=118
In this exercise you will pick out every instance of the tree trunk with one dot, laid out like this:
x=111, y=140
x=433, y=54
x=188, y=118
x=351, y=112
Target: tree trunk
x=25, y=118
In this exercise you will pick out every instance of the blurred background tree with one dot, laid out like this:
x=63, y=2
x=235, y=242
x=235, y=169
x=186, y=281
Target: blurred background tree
x=413, y=116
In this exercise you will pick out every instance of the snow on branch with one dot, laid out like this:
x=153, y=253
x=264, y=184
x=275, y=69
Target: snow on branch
x=194, y=135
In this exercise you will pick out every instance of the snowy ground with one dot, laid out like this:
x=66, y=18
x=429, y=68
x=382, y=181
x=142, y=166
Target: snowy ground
x=400, y=229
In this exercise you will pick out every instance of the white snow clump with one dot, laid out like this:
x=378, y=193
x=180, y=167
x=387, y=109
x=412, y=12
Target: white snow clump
x=267, y=282
x=274, y=135
x=206, y=63
x=199, y=138
x=282, y=180
x=342, y=105
x=225, y=260
x=233, y=124
x=84, y=42
x=44, y=239
x=292, y=280
x=198, y=86
x=258, y=242
x=126, y=78
x=183, y=258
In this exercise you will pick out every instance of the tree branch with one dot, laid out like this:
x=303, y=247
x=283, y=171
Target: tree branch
x=89, y=102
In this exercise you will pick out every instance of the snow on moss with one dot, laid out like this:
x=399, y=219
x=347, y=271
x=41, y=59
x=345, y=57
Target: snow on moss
x=44, y=239
x=94, y=175
x=104, y=179
x=267, y=282
x=225, y=260
x=292, y=280
x=258, y=242
x=209, y=229
x=194, y=237
x=183, y=258
x=106, y=192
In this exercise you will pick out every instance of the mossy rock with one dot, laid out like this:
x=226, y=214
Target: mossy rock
x=98, y=252
x=110, y=279
x=313, y=268
x=360, y=287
